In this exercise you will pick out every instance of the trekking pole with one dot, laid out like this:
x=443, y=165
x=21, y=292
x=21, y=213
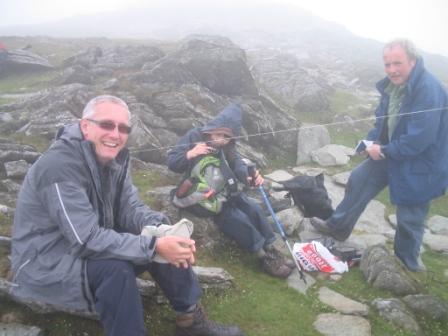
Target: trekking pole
x=282, y=232
x=251, y=169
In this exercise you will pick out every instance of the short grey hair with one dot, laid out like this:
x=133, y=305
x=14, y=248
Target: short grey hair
x=408, y=46
x=89, y=110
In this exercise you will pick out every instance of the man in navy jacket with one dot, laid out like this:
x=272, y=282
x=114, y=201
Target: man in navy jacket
x=409, y=154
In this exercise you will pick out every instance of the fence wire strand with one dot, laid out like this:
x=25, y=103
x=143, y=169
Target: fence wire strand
x=295, y=129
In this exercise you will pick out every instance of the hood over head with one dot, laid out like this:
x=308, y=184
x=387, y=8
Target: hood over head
x=70, y=132
x=228, y=121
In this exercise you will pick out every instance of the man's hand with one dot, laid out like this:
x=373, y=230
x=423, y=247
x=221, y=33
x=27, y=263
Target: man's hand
x=178, y=251
x=374, y=151
x=200, y=149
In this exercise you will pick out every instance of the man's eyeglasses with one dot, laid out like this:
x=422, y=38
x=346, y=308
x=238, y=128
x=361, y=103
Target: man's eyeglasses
x=109, y=125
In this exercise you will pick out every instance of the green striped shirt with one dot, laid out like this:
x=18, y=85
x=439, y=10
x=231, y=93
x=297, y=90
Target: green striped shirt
x=396, y=94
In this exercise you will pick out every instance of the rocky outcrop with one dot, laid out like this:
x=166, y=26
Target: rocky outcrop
x=310, y=138
x=17, y=329
x=396, y=312
x=332, y=155
x=295, y=84
x=15, y=160
x=429, y=306
x=342, y=325
x=20, y=61
x=169, y=93
x=382, y=270
x=45, y=112
x=208, y=277
x=218, y=64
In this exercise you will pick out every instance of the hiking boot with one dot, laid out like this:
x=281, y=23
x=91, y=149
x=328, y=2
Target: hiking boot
x=273, y=263
x=276, y=253
x=323, y=227
x=196, y=323
x=290, y=263
x=421, y=267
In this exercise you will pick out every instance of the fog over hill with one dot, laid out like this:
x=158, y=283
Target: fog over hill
x=280, y=27
x=284, y=27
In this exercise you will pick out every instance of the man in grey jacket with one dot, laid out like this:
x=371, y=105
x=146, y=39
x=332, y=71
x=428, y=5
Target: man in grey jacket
x=77, y=239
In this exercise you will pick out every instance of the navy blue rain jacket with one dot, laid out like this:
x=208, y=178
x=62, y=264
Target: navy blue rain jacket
x=418, y=151
x=230, y=117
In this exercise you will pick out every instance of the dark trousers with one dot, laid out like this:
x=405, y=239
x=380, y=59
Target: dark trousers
x=118, y=301
x=365, y=182
x=243, y=220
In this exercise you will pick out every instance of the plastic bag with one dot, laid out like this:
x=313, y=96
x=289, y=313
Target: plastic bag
x=183, y=228
x=313, y=256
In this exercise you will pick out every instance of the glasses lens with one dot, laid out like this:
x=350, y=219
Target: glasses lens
x=125, y=129
x=106, y=125
x=109, y=125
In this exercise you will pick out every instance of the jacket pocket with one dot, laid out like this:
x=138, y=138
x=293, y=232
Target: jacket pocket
x=19, y=270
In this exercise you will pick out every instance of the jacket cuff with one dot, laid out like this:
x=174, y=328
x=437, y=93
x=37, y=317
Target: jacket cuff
x=150, y=249
x=384, y=151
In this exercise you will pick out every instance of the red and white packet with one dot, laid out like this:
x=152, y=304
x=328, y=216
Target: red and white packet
x=313, y=256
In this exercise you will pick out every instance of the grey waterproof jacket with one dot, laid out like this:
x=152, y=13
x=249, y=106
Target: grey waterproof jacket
x=69, y=211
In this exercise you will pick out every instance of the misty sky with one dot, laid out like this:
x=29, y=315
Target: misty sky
x=423, y=21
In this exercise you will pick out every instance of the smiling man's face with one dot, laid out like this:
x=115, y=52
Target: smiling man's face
x=108, y=142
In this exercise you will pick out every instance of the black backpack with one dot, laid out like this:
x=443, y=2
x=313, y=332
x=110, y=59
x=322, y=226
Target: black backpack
x=309, y=194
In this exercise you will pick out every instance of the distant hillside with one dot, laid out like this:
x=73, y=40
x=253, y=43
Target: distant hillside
x=282, y=27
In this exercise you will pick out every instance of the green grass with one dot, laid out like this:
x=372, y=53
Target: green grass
x=5, y=224
x=41, y=143
x=437, y=281
x=341, y=100
x=342, y=137
x=439, y=206
x=146, y=180
x=259, y=304
x=27, y=82
x=280, y=160
x=4, y=101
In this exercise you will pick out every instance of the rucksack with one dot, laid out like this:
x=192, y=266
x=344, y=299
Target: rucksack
x=309, y=194
x=205, y=188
